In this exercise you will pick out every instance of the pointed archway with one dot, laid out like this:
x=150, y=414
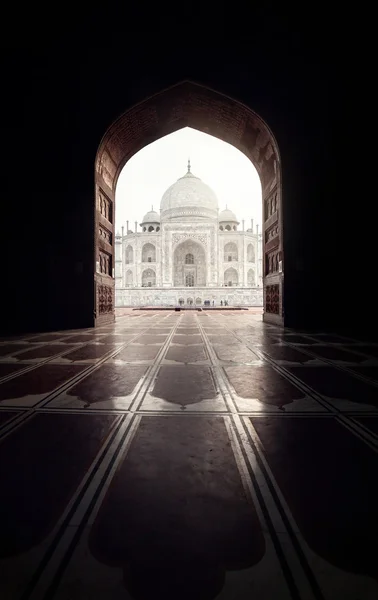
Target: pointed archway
x=188, y=104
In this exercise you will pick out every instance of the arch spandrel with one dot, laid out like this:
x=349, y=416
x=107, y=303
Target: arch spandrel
x=187, y=105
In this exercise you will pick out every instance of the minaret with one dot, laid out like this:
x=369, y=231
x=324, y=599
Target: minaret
x=136, y=226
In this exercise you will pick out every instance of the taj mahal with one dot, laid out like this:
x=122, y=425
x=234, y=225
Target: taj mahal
x=191, y=254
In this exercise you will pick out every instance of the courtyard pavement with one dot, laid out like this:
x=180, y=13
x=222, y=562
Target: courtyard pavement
x=188, y=455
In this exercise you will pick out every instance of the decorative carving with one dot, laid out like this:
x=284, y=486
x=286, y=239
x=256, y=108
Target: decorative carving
x=105, y=206
x=272, y=261
x=105, y=234
x=199, y=237
x=105, y=261
x=105, y=299
x=107, y=168
x=273, y=299
x=270, y=206
x=271, y=233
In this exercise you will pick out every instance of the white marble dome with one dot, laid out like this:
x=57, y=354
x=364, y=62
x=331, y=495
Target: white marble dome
x=151, y=217
x=227, y=216
x=189, y=198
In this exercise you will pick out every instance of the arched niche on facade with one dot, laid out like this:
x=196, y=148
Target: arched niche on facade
x=148, y=253
x=251, y=256
x=251, y=277
x=230, y=252
x=129, y=278
x=231, y=277
x=129, y=254
x=190, y=274
x=148, y=278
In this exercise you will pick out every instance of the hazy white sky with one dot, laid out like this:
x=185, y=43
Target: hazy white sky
x=148, y=174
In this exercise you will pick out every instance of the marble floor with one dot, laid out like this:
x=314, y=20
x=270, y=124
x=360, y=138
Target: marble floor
x=188, y=455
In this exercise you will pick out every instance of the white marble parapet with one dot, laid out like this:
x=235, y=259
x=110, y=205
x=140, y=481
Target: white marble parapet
x=170, y=297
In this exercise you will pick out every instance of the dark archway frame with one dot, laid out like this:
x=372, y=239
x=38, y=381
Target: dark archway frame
x=188, y=104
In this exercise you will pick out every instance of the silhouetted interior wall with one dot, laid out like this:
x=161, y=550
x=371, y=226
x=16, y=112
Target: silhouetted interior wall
x=57, y=108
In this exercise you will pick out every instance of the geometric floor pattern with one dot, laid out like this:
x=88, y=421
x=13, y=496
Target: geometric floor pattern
x=188, y=455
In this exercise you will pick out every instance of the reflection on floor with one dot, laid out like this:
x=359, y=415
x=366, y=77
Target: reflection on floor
x=191, y=455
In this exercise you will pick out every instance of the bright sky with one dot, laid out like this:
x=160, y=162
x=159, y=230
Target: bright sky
x=148, y=174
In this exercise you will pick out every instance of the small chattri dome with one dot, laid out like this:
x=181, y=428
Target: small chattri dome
x=227, y=216
x=151, y=217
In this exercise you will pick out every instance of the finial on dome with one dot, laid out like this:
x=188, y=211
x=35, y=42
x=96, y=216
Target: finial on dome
x=152, y=207
x=226, y=206
x=188, y=165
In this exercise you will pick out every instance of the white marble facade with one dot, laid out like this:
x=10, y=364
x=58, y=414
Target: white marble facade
x=189, y=253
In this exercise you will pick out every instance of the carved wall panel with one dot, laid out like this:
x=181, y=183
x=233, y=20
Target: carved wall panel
x=106, y=167
x=272, y=262
x=105, y=261
x=105, y=299
x=273, y=299
x=270, y=205
x=271, y=233
x=105, y=234
x=105, y=206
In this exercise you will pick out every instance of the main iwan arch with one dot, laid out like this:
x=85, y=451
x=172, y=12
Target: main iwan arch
x=188, y=104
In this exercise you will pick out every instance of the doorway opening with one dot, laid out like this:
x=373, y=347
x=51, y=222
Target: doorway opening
x=189, y=105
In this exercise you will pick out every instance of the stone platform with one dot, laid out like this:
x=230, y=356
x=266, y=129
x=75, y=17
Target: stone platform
x=170, y=297
x=188, y=455
x=192, y=308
